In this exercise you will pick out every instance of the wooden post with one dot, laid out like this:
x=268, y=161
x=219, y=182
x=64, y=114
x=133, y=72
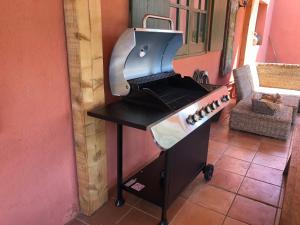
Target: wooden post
x=85, y=59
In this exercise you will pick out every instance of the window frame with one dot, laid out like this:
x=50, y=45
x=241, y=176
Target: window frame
x=192, y=48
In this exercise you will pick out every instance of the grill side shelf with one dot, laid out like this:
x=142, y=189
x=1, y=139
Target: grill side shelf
x=129, y=114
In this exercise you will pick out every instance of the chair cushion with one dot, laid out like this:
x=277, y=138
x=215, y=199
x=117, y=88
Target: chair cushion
x=264, y=106
x=277, y=126
x=243, y=82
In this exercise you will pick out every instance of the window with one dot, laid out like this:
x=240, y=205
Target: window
x=202, y=21
x=191, y=17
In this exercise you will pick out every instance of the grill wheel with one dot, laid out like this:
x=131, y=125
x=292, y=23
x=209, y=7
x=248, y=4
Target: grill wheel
x=208, y=172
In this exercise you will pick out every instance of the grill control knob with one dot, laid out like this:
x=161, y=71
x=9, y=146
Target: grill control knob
x=196, y=117
x=190, y=120
x=227, y=97
x=208, y=109
x=213, y=106
x=218, y=103
x=202, y=113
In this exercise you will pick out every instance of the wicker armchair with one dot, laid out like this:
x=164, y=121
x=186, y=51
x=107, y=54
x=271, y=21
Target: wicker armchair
x=243, y=118
x=277, y=126
x=248, y=82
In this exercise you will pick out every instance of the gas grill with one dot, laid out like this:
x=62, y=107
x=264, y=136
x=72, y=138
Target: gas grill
x=174, y=108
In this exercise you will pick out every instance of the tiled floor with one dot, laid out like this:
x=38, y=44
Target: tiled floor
x=246, y=187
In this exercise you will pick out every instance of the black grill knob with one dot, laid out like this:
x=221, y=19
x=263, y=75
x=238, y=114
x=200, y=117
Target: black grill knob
x=202, y=113
x=190, y=120
x=213, y=106
x=227, y=97
x=218, y=103
x=196, y=117
x=223, y=99
x=208, y=109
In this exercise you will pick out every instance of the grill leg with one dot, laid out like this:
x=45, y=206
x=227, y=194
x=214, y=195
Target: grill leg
x=120, y=200
x=164, y=219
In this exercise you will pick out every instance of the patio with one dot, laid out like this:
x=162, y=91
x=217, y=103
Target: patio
x=247, y=187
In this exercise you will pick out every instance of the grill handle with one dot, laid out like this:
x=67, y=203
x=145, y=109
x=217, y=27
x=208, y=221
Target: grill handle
x=146, y=17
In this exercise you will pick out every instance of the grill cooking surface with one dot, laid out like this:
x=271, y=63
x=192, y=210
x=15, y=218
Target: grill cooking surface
x=171, y=90
x=176, y=97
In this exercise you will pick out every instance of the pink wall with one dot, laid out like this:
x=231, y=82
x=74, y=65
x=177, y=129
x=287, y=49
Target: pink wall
x=285, y=32
x=142, y=149
x=139, y=147
x=37, y=172
x=261, y=23
x=263, y=49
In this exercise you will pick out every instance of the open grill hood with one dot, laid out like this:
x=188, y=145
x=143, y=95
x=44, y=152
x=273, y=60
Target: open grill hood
x=142, y=52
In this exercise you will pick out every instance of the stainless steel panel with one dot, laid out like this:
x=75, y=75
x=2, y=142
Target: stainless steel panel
x=175, y=128
x=118, y=84
x=152, y=54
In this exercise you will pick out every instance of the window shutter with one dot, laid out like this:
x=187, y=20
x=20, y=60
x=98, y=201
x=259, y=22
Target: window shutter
x=139, y=8
x=219, y=9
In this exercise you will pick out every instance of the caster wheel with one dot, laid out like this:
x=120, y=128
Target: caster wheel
x=208, y=172
x=119, y=202
x=163, y=222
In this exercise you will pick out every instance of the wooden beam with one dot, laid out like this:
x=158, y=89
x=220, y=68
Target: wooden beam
x=85, y=60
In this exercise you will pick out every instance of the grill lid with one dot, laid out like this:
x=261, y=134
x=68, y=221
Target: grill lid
x=141, y=52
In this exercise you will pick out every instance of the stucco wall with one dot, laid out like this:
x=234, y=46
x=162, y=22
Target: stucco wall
x=257, y=53
x=262, y=49
x=138, y=145
x=37, y=171
x=285, y=32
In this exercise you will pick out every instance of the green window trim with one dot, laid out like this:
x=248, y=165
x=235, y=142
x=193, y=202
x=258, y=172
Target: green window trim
x=212, y=35
x=196, y=31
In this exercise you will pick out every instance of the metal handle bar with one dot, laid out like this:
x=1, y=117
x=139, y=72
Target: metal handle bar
x=146, y=17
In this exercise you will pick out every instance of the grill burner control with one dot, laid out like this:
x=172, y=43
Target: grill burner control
x=225, y=98
x=213, y=106
x=202, y=113
x=196, y=117
x=208, y=109
x=190, y=120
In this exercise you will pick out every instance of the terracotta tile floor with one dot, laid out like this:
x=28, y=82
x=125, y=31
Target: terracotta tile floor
x=246, y=187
